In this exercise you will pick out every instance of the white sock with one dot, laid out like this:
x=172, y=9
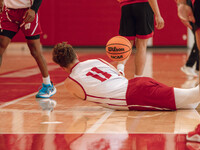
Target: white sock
x=120, y=67
x=46, y=80
x=187, y=98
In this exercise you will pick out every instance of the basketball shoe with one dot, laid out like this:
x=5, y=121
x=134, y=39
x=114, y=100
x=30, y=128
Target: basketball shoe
x=189, y=71
x=194, y=136
x=46, y=91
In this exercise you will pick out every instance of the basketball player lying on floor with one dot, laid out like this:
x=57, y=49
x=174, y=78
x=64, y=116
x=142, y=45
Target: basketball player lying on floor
x=98, y=81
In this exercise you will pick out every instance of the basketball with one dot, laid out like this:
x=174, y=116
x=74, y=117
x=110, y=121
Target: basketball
x=118, y=48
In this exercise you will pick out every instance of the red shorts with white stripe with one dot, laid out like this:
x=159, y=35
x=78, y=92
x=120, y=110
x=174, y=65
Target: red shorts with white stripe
x=12, y=20
x=144, y=93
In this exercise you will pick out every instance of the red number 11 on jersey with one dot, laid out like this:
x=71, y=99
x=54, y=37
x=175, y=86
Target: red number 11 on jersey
x=97, y=76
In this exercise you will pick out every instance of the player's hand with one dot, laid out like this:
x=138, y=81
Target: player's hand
x=1, y=6
x=29, y=16
x=186, y=15
x=159, y=22
x=186, y=23
x=1, y=9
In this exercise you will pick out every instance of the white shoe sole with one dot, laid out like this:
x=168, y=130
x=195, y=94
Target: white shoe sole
x=188, y=73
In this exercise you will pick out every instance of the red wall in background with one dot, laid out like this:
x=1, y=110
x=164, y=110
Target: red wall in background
x=92, y=23
x=80, y=22
x=172, y=33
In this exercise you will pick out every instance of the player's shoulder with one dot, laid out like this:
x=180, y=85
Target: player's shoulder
x=68, y=83
x=93, y=61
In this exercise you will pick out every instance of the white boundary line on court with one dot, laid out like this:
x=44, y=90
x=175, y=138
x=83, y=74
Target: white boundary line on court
x=22, y=98
x=99, y=122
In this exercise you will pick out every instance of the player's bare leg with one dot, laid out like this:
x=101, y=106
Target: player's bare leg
x=197, y=34
x=4, y=41
x=140, y=56
x=35, y=49
x=47, y=89
x=121, y=64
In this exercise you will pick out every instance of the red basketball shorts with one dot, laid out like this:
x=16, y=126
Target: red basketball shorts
x=12, y=20
x=144, y=93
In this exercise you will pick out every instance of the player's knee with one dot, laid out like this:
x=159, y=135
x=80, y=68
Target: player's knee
x=2, y=50
x=141, y=44
x=31, y=45
x=3, y=47
x=35, y=53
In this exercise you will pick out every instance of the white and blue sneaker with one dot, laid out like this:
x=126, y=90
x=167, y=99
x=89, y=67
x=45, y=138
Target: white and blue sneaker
x=46, y=91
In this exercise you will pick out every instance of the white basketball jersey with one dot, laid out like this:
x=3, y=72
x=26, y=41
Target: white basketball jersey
x=16, y=4
x=101, y=83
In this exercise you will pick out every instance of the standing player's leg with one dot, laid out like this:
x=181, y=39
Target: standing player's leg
x=140, y=56
x=127, y=29
x=197, y=34
x=8, y=30
x=4, y=41
x=196, y=13
x=144, y=31
x=192, y=59
x=32, y=31
x=35, y=48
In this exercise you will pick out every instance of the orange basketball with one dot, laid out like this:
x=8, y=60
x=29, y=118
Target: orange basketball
x=118, y=48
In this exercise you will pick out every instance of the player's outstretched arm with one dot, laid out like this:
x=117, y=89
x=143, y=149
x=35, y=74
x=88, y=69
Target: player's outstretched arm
x=74, y=88
x=1, y=6
x=111, y=66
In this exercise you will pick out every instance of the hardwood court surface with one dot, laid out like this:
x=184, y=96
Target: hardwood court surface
x=28, y=124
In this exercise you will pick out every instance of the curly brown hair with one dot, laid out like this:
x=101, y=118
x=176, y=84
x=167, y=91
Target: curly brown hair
x=63, y=54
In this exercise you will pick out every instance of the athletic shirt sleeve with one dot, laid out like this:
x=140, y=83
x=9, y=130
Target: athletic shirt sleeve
x=36, y=5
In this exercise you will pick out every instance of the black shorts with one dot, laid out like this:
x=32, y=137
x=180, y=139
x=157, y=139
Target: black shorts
x=137, y=20
x=11, y=34
x=196, y=11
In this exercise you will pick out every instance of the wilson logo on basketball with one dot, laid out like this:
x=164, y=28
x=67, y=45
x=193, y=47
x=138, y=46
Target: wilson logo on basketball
x=115, y=49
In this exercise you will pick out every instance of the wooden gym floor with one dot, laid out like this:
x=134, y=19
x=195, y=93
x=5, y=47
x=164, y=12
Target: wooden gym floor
x=28, y=123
